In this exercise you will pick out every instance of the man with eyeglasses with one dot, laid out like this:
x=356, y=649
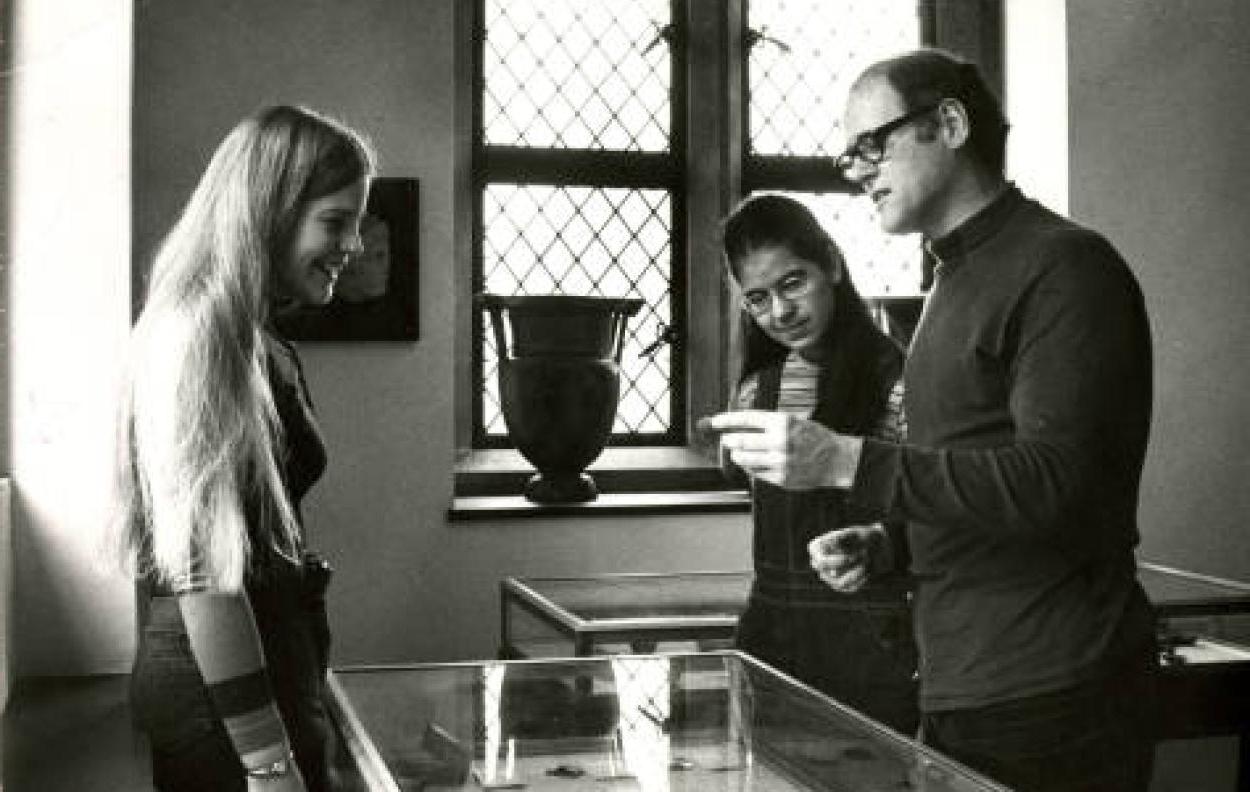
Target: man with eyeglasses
x=1028, y=397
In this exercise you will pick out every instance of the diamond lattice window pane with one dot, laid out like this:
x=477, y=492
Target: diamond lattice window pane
x=587, y=241
x=881, y=264
x=801, y=69
x=576, y=74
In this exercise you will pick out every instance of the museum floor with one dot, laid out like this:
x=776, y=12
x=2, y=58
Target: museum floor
x=72, y=734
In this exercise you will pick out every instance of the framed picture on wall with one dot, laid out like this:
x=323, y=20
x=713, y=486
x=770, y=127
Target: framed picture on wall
x=375, y=298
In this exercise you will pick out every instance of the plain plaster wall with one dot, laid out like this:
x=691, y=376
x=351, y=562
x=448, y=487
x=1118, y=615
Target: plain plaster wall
x=1159, y=164
x=6, y=594
x=6, y=92
x=1035, y=66
x=69, y=92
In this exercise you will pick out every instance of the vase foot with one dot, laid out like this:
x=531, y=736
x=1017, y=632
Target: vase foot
x=561, y=489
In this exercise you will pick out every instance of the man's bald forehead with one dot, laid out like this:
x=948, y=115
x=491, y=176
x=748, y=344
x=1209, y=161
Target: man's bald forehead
x=872, y=80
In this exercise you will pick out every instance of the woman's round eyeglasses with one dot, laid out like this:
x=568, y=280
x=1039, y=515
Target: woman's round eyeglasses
x=794, y=285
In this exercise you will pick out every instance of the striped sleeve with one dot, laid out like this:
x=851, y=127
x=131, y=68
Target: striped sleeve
x=228, y=653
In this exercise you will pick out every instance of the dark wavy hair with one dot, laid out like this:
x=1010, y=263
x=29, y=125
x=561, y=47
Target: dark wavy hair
x=927, y=76
x=771, y=220
x=862, y=360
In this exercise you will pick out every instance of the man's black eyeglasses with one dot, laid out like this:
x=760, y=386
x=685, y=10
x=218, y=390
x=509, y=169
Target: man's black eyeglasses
x=870, y=145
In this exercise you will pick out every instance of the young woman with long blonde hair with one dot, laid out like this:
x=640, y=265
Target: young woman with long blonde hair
x=217, y=447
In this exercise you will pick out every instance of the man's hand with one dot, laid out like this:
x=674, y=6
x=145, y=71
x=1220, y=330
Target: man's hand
x=789, y=452
x=846, y=558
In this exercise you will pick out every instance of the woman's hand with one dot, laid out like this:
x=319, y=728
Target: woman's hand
x=846, y=558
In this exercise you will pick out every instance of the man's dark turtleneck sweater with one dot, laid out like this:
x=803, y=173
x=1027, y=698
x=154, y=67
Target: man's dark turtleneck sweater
x=1028, y=402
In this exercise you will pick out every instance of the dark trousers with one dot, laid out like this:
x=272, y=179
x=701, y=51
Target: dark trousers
x=862, y=657
x=210, y=763
x=1097, y=737
x=191, y=750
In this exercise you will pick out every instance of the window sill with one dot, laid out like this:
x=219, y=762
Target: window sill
x=619, y=469
x=633, y=504
x=632, y=481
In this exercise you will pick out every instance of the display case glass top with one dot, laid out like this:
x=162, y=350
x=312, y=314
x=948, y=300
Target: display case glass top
x=609, y=601
x=604, y=614
x=652, y=723
x=1177, y=592
x=691, y=611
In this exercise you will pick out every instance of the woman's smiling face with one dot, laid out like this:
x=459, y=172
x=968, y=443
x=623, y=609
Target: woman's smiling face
x=327, y=234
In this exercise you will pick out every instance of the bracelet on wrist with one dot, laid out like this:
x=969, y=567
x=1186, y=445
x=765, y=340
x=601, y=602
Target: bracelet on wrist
x=279, y=768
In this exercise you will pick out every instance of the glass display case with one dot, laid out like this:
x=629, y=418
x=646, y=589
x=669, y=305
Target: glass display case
x=611, y=614
x=686, y=611
x=1203, y=625
x=1204, y=642
x=651, y=723
x=1192, y=606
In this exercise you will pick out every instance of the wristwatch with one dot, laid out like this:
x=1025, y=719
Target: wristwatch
x=276, y=769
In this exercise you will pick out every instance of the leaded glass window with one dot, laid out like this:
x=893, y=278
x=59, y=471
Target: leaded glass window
x=576, y=74
x=580, y=158
x=577, y=185
x=546, y=239
x=881, y=264
x=803, y=56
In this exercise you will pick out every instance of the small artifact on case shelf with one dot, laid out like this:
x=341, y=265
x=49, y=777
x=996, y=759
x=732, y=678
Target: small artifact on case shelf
x=566, y=771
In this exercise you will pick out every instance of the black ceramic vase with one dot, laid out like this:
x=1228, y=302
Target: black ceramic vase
x=559, y=383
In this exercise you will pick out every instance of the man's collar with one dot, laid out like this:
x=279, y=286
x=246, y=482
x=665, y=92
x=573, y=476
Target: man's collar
x=976, y=229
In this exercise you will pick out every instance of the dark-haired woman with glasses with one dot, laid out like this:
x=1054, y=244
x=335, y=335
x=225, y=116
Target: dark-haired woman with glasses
x=812, y=350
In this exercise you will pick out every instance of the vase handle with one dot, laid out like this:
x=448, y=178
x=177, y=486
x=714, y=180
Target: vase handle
x=619, y=320
x=501, y=335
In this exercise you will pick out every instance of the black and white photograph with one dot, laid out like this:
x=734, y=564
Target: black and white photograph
x=650, y=395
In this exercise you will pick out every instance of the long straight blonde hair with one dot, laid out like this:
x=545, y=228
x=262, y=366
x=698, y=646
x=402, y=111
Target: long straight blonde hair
x=199, y=438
